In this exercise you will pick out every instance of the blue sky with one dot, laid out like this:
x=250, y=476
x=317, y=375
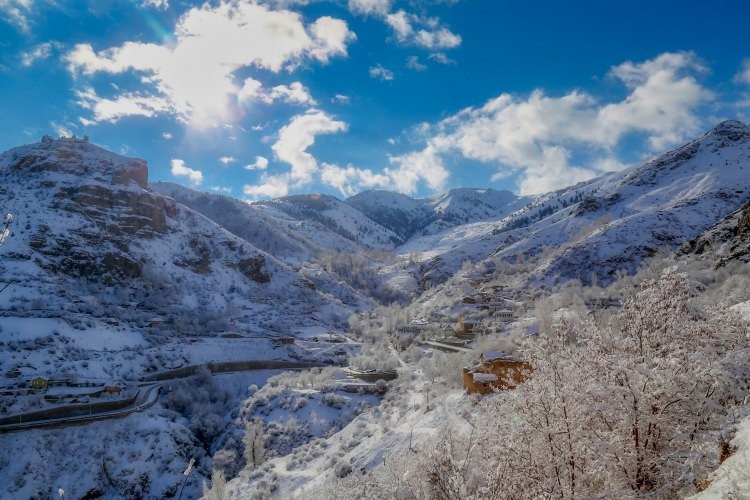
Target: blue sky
x=260, y=99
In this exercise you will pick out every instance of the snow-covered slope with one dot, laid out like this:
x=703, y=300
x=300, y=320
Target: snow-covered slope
x=91, y=245
x=408, y=217
x=295, y=229
x=612, y=222
x=333, y=224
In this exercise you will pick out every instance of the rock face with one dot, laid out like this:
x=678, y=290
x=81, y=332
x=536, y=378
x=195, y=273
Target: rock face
x=105, y=193
x=80, y=158
x=726, y=241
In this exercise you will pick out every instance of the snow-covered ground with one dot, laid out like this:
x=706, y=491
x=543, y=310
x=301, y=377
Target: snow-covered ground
x=732, y=479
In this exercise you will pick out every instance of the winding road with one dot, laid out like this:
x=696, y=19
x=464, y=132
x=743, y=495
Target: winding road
x=147, y=394
x=145, y=398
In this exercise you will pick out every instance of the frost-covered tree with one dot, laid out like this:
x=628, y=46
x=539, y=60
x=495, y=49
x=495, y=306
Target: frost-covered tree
x=254, y=441
x=632, y=408
x=624, y=409
x=218, y=486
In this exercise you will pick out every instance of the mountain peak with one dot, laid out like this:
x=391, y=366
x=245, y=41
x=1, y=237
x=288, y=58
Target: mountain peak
x=731, y=130
x=77, y=157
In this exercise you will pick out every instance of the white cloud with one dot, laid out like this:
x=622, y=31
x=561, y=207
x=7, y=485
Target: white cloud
x=341, y=99
x=194, y=73
x=260, y=163
x=441, y=38
x=271, y=186
x=415, y=167
x=743, y=76
x=440, y=57
x=62, y=130
x=221, y=189
x=38, y=53
x=251, y=90
x=350, y=180
x=370, y=7
x=179, y=169
x=295, y=93
x=16, y=12
x=296, y=137
x=126, y=104
x=537, y=136
x=412, y=62
x=166, y=135
x=157, y=4
x=381, y=73
x=429, y=34
x=400, y=23
x=662, y=100
x=226, y=160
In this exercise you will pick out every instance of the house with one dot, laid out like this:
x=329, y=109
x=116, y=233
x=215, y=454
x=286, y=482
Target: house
x=39, y=383
x=155, y=322
x=496, y=371
x=504, y=315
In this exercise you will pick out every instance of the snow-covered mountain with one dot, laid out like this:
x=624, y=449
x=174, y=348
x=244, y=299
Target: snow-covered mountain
x=295, y=228
x=90, y=242
x=408, y=217
x=610, y=223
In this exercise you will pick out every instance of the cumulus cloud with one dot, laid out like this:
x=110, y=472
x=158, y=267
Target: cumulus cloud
x=260, y=163
x=297, y=136
x=535, y=136
x=295, y=93
x=381, y=73
x=428, y=34
x=400, y=23
x=226, y=160
x=350, y=180
x=179, y=169
x=270, y=186
x=193, y=74
x=166, y=135
x=416, y=167
x=125, y=104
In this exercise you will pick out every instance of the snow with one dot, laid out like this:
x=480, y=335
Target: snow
x=743, y=308
x=732, y=478
x=492, y=355
x=56, y=323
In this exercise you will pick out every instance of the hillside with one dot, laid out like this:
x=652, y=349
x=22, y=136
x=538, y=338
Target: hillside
x=610, y=223
x=409, y=217
x=92, y=247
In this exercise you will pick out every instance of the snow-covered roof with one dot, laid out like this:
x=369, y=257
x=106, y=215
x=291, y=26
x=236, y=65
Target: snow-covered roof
x=484, y=377
x=493, y=355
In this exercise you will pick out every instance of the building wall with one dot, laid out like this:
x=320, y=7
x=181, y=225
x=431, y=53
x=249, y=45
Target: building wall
x=509, y=375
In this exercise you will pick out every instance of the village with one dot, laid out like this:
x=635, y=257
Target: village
x=489, y=312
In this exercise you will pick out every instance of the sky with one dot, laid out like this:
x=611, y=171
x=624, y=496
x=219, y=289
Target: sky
x=260, y=99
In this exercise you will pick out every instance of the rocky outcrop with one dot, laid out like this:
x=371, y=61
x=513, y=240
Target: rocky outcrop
x=118, y=212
